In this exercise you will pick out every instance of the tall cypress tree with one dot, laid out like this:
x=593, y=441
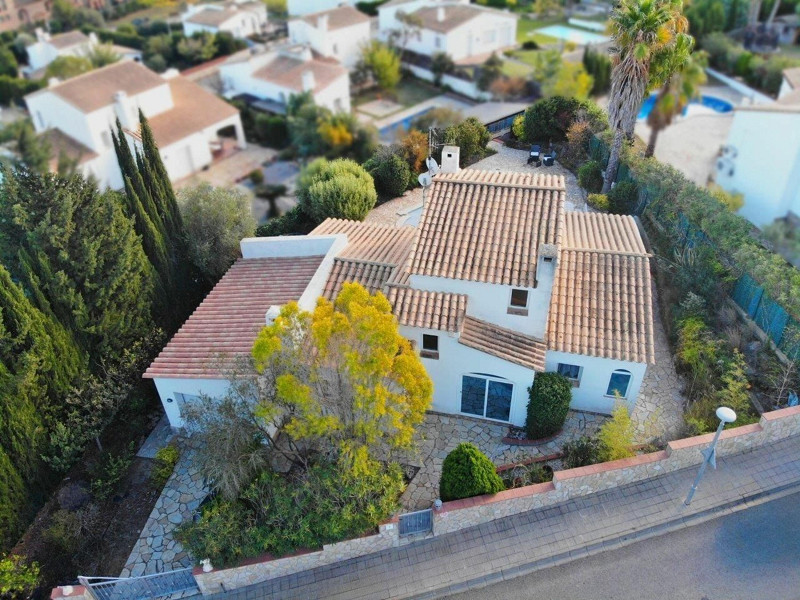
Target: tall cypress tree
x=84, y=253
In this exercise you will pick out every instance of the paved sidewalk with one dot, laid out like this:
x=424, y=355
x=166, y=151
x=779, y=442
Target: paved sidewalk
x=507, y=548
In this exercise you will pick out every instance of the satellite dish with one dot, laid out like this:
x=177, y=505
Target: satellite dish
x=433, y=167
x=424, y=179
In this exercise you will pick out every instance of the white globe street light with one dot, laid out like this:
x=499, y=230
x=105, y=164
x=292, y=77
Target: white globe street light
x=725, y=415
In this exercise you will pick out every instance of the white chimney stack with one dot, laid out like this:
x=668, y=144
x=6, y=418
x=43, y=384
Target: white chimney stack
x=450, y=156
x=308, y=81
x=322, y=22
x=440, y=14
x=42, y=35
x=122, y=109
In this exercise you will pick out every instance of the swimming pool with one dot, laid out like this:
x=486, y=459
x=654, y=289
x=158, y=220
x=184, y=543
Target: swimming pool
x=578, y=36
x=716, y=104
x=389, y=130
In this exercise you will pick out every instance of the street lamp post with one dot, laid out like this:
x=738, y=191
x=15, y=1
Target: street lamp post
x=725, y=415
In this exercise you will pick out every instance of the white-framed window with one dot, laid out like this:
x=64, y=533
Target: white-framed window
x=430, y=346
x=619, y=383
x=518, y=302
x=488, y=396
x=571, y=372
x=438, y=41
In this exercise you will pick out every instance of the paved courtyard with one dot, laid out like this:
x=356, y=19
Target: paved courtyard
x=225, y=172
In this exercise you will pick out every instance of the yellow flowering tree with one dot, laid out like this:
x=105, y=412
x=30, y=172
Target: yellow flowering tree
x=346, y=383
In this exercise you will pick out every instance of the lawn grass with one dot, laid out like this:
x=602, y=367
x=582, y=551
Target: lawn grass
x=410, y=91
x=154, y=13
x=512, y=68
x=526, y=27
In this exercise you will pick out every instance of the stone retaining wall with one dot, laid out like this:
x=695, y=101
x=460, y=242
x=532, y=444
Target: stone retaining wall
x=679, y=454
x=567, y=484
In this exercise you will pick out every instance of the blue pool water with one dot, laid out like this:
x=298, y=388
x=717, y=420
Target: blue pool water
x=716, y=104
x=390, y=130
x=578, y=36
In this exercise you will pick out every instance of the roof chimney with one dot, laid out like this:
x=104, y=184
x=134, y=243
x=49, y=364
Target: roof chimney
x=440, y=14
x=322, y=22
x=42, y=35
x=122, y=109
x=308, y=81
x=450, y=156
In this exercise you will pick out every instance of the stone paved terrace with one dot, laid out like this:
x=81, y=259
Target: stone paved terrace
x=440, y=433
x=519, y=544
x=157, y=550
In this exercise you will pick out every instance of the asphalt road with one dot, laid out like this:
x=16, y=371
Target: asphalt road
x=750, y=555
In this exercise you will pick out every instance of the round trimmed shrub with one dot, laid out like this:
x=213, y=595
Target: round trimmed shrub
x=339, y=189
x=623, y=197
x=468, y=472
x=550, y=396
x=257, y=176
x=590, y=177
x=391, y=174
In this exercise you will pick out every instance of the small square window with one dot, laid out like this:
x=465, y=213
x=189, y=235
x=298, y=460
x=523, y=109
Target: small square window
x=430, y=346
x=571, y=372
x=519, y=298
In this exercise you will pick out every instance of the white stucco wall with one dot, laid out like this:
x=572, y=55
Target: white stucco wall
x=456, y=360
x=767, y=163
x=343, y=44
x=591, y=395
x=490, y=302
x=215, y=388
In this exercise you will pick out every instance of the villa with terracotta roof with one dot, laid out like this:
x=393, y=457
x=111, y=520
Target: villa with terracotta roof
x=455, y=27
x=48, y=47
x=495, y=284
x=338, y=33
x=191, y=125
x=240, y=18
x=275, y=76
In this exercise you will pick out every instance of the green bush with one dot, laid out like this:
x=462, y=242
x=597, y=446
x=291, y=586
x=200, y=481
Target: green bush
x=598, y=201
x=293, y=222
x=390, y=173
x=166, y=459
x=623, y=198
x=530, y=45
x=580, y=453
x=616, y=434
x=468, y=472
x=548, y=405
x=271, y=131
x=279, y=513
x=14, y=89
x=110, y=472
x=18, y=578
x=549, y=119
x=590, y=177
x=339, y=189
x=256, y=176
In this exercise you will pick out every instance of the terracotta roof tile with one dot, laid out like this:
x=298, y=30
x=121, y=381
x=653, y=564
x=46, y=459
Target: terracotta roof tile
x=371, y=275
x=793, y=77
x=226, y=323
x=366, y=241
x=287, y=71
x=488, y=226
x=503, y=343
x=95, y=89
x=602, y=302
x=72, y=148
x=455, y=15
x=338, y=18
x=212, y=17
x=68, y=39
x=194, y=109
x=428, y=310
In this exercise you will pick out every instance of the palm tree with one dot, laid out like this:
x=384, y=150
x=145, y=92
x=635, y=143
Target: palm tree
x=680, y=89
x=646, y=33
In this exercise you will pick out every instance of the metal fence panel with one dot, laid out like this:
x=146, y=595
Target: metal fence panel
x=147, y=587
x=747, y=294
x=420, y=521
x=771, y=318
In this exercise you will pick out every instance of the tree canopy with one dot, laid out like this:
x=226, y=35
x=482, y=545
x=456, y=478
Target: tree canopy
x=340, y=189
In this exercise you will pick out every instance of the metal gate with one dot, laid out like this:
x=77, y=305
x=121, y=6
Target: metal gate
x=145, y=587
x=420, y=521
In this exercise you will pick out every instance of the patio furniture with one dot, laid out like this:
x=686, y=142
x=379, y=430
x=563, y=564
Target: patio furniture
x=548, y=160
x=535, y=154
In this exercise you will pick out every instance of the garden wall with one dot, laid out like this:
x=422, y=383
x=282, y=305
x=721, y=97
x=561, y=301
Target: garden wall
x=567, y=484
x=461, y=86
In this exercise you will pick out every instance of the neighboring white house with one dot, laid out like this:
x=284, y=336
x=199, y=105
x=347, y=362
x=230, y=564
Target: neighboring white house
x=338, y=33
x=47, y=48
x=240, y=18
x=761, y=159
x=298, y=8
x=276, y=76
x=457, y=28
x=190, y=124
x=496, y=284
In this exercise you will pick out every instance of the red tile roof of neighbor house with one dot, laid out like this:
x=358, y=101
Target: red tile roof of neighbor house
x=226, y=323
x=338, y=18
x=287, y=71
x=68, y=39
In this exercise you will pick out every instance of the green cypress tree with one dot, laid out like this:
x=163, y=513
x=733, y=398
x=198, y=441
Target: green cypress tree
x=85, y=254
